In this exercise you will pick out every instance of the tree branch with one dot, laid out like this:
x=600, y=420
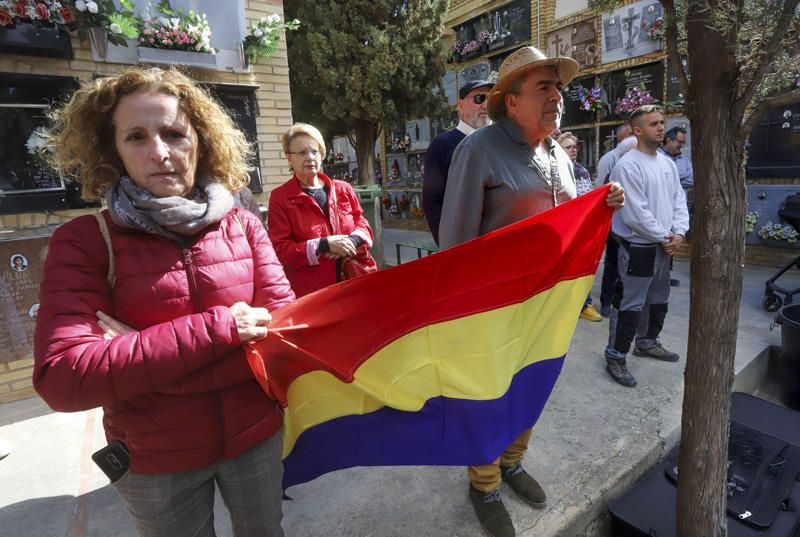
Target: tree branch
x=671, y=37
x=769, y=103
x=781, y=27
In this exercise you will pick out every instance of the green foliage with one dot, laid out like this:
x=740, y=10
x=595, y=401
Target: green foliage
x=375, y=61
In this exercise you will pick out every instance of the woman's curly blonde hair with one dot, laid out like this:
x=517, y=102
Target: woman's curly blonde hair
x=83, y=133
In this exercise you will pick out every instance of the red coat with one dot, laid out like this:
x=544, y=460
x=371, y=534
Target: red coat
x=178, y=391
x=296, y=223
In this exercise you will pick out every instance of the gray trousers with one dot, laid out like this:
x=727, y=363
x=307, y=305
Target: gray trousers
x=640, y=300
x=182, y=504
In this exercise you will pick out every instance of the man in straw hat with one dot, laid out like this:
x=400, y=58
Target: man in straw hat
x=499, y=175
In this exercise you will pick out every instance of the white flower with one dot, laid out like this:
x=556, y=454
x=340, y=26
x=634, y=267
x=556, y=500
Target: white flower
x=80, y=5
x=274, y=18
x=92, y=7
x=264, y=20
x=115, y=29
x=258, y=33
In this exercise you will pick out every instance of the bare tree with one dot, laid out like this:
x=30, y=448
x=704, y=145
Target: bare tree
x=744, y=60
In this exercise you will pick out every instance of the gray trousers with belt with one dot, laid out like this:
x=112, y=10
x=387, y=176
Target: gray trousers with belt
x=640, y=300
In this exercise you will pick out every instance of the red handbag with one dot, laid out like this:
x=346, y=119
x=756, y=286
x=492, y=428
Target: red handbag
x=360, y=264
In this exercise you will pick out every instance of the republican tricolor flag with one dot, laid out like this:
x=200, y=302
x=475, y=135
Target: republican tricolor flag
x=441, y=361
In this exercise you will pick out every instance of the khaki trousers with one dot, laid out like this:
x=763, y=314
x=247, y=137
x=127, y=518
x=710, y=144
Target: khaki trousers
x=486, y=477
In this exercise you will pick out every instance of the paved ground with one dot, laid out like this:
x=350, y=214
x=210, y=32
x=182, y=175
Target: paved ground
x=594, y=440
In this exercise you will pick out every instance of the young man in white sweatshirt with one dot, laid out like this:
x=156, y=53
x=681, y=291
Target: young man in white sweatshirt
x=651, y=227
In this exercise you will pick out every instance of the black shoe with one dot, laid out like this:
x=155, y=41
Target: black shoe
x=674, y=283
x=658, y=352
x=619, y=372
x=492, y=514
x=524, y=485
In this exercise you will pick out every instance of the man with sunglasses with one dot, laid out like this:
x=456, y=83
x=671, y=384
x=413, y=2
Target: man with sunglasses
x=472, y=115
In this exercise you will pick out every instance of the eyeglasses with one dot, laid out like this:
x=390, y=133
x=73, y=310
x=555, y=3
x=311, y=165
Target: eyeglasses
x=313, y=153
x=480, y=98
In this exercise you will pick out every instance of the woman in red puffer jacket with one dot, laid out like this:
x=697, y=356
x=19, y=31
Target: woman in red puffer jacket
x=144, y=311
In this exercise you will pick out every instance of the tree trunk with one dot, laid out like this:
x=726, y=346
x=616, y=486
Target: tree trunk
x=366, y=133
x=716, y=287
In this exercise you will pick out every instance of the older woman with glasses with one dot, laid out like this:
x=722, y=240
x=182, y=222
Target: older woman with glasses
x=314, y=221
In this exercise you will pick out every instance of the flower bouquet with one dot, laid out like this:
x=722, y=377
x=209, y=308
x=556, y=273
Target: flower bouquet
x=470, y=47
x=455, y=51
x=484, y=37
x=38, y=147
x=80, y=15
x=262, y=41
x=590, y=100
x=176, y=30
x=778, y=232
x=632, y=100
x=654, y=29
x=750, y=221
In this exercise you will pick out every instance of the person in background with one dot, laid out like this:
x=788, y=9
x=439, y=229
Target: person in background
x=500, y=175
x=650, y=229
x=313, y=221
x=583, y=182
x=472, y=115
x=144, y=309
x=604, y=167
x=674, y=142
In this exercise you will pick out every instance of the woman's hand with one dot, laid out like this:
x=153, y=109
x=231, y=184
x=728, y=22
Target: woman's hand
x=251, y=323
x=111, y=327
x=616, y=196
x=341, y=246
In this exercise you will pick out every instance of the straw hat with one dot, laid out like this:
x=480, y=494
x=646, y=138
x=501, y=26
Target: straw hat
x=519, y=63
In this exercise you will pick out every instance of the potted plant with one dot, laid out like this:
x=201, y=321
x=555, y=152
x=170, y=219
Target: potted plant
x=403, y=204
x=470, y=49
x=484, y=38
x=187, y=37
x=262, y=41
x=455, y=51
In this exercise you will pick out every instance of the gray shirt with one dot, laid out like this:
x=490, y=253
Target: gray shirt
x=684, y=165
x=655, y=204
x=495, y=179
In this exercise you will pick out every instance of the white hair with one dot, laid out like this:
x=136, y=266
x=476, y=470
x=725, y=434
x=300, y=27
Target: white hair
x=627, y=144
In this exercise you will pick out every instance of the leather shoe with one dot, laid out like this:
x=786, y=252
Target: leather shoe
x=492, y=514
x=674, y=283
x=524, y=485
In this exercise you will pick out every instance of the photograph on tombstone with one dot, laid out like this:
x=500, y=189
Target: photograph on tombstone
x=632, y=30
x=19, y=294
x=577, y=41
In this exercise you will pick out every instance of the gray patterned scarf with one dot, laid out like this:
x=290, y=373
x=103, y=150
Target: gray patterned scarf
x=173, y=217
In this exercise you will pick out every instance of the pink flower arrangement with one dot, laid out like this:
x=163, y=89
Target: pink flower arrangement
x=484, y=37
x=176, y=30
x=470, y=47
x=632, y=100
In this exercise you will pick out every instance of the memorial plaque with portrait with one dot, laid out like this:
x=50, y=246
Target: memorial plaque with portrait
x=478, y=71
x=774, y=145
x=21, y=272
x=625, y=31
x=616, y=84
x=573, y=115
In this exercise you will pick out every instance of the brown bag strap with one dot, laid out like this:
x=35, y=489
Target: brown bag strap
x=103, y=225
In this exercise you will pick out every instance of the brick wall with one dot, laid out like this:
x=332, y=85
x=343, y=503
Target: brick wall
x=274, y=116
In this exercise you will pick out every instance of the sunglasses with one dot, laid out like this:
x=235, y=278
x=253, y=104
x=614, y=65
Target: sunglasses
x=480, y=98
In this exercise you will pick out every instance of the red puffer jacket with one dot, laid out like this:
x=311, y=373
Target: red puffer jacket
x=296, y=223
x=178, y=390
